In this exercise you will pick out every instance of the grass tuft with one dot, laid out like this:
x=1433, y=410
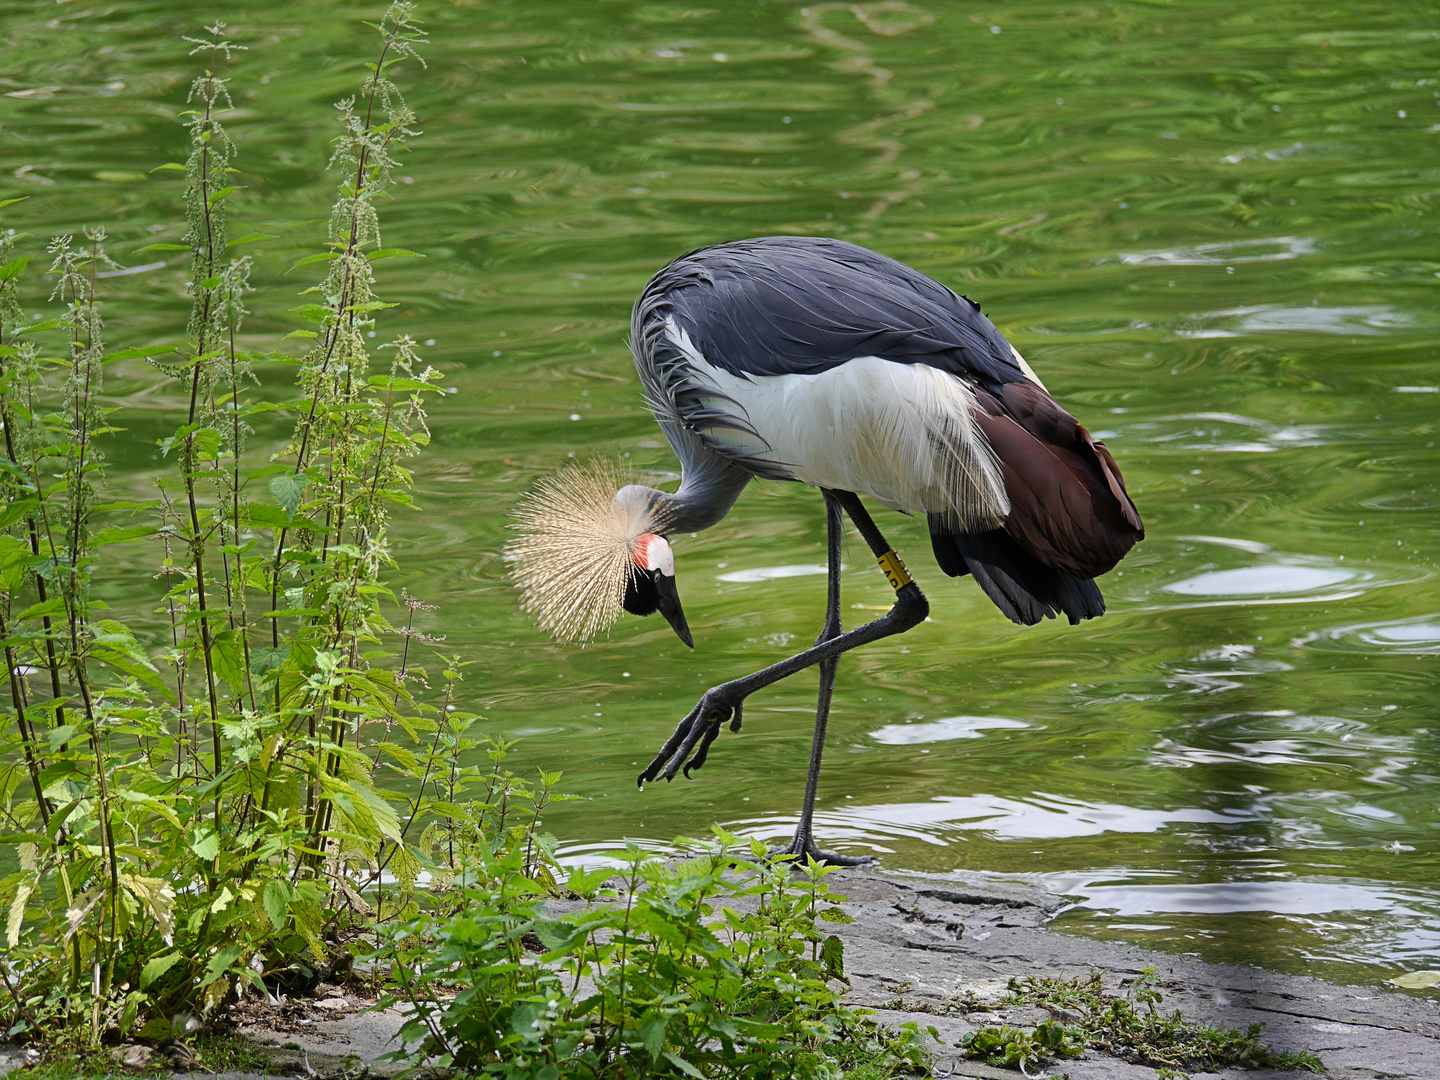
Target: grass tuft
x=1130, y=1027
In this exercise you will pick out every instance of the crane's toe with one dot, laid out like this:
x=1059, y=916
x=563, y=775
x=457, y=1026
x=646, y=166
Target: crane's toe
x=689, y=746
x=803, y=848
x=703, y=750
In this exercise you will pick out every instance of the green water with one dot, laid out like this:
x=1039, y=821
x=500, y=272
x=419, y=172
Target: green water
x=1211, y=229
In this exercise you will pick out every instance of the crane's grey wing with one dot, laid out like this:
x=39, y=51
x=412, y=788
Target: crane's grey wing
x=797, y=305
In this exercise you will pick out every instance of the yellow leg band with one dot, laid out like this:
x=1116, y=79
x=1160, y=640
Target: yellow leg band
x=895, y=571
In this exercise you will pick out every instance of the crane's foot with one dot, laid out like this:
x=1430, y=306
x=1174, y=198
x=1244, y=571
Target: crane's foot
x=804, y=848
x=694, y=735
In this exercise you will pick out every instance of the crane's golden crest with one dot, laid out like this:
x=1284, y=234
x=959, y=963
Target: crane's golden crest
x=575, y=549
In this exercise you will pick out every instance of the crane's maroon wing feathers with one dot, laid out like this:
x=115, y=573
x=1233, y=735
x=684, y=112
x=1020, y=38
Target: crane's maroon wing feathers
x=1068, y=503
x=1070, y=520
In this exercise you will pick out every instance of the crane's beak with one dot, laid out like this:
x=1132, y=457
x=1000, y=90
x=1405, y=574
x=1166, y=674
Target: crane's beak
x=670, y=607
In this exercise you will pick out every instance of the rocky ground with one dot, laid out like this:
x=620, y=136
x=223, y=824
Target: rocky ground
x=941, y=953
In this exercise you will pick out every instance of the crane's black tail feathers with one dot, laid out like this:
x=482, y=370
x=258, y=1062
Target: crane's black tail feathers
x=1021, y=586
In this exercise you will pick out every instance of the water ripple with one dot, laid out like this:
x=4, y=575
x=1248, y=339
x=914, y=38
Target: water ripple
x=1036, y=817
x=1414, y=636
x=1241, y=251
x=1313, y=896
x=1363, y=320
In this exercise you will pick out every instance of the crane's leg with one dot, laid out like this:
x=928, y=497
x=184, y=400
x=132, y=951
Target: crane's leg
x=725, y=702
x=803, y=845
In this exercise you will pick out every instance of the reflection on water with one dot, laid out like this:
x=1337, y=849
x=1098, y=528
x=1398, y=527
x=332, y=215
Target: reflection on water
x=1240, y=251
x=1231, y=277
x=1277, y=579
x=1417, y=635
x=1036, y=817
x=950, y=727
x=1366, y=320
x=1342, y=922
x=770, y=573
x=1302, y=897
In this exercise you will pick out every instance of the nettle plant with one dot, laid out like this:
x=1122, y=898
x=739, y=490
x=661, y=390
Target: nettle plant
x=209, y=815
x=718, y=965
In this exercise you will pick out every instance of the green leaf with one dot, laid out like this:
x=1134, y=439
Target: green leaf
x=836, y=915
x=169, y=166
x=269, y=517
x=119, y=638
x=139, y=352
x=35, y=328
x=400, y=382
x=206, y=843
x=204, y=442
x=222, y=193
x=684, y=1066
x=251, y=238
x=559, y=936
x=120, y=534
x=385, y=818
x=316, y=313
x=157, y=967
x=324, y=256
x=16, y=918
x=143, y=671
x=14, y=554
x=15, y=838
x=13, y=267
x=266, y=661
x=288, y=490
x=133, y=1001
x=17, y=509
x=393, y=253
x=652, y=1034
x=832, y=955
x=276, y=898
x=228, y=653
x=219, y=964
x=254, y=979
x=7, y=202
x=163, y=247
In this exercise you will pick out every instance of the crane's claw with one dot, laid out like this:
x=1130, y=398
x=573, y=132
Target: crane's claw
x=712, y=732
x=695, y=733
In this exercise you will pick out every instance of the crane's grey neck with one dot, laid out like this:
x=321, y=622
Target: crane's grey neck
x=705, y=496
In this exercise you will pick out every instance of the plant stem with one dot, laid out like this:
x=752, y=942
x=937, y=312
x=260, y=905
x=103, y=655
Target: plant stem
x=33, y=534
x=27, y=731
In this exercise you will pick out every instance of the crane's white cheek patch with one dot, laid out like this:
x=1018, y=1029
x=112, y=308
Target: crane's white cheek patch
x=654, y=553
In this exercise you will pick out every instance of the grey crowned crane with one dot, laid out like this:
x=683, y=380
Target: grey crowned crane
x=813, y=360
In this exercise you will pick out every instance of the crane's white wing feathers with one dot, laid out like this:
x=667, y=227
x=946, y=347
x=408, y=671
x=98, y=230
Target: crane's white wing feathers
x=902, y=433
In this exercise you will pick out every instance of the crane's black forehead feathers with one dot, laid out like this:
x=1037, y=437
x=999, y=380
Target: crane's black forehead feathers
x=799, y=305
